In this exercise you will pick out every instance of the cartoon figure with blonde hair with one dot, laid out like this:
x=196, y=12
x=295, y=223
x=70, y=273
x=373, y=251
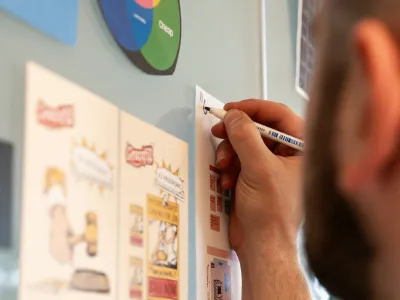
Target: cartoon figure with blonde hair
x=62, y=238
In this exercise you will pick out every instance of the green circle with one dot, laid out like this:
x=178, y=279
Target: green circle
x=162, y=47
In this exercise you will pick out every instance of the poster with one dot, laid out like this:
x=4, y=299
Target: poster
x=305, y=52
x=153, y=211
x=147, y=31
x=218, y=269
x=70, y=192
x=56, y=18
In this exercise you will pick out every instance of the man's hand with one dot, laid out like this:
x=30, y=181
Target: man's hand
x=266, y=214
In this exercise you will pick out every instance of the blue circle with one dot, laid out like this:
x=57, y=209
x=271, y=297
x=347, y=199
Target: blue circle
x=129, y=23
x=141, y=21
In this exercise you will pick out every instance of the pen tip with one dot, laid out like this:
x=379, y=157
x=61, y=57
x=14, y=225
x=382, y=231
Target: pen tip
x=207, y=108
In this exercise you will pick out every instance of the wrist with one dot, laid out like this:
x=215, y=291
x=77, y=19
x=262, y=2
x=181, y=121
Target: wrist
x=270, y=241
x=270, y=268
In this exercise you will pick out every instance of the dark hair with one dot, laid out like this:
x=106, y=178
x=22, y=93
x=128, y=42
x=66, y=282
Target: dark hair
x=338, y=251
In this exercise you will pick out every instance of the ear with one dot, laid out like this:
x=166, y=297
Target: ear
x=377, y=52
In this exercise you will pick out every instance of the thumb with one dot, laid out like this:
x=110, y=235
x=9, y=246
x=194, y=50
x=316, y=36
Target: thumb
x=245, y=139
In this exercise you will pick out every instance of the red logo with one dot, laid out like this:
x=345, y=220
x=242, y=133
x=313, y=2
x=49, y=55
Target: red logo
x=139, y=157
x=55, y=117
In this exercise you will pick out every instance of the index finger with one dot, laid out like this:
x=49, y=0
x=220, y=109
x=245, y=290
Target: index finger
x=272, y=114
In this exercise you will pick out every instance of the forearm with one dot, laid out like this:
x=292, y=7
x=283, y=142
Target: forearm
x=270, y=270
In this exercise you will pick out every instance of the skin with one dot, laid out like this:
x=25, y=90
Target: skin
x=266, y=176
x=266, y=214
x=368, y=158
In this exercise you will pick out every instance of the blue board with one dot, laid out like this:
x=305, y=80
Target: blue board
x=56, y=18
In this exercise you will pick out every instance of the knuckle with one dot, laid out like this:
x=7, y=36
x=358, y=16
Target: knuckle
x=241, y=131
x=224, y=147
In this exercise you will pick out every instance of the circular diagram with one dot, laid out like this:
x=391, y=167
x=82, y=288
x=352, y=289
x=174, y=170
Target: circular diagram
x=148, y=31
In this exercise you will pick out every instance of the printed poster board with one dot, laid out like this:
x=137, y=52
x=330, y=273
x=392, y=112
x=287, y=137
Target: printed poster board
x=70, y=198
x=153, y=212
x=105, y=207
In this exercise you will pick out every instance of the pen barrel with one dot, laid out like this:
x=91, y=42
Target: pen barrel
x=267, y=132
x=280, y=137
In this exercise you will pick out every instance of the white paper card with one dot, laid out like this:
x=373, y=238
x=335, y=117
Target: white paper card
x=218, y=269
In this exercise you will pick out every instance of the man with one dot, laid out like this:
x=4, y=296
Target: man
x=351, y=188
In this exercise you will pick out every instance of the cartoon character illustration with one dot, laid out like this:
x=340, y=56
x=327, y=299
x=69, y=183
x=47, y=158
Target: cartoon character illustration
x=62, y=241
x=62, y=238
x=137, y=226
x=136, y=278
x=166, y=250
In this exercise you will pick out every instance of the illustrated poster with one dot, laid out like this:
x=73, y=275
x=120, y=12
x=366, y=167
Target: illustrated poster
x=218, y=269
x=147, y=31
x=153, y=231
x=70, y=189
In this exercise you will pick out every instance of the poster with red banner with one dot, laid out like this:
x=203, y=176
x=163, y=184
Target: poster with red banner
x=153, y=209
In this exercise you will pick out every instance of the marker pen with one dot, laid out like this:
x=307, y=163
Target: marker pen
x=265, y=131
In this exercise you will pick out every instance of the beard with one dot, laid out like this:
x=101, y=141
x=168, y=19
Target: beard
x=336, y=246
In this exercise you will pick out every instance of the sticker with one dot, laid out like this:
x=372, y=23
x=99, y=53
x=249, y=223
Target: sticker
x=169, y=182
x=219, y=274
x=219, y=203
x=55, y=117
x=136, y=232
x=219, y=186
x=212, y=203
x=139, y=157
x=214, y=169
x=215, y=223
x=136, y=278
x=212, y=182
x=91, y=166
x=220, y=279
x=163, y=245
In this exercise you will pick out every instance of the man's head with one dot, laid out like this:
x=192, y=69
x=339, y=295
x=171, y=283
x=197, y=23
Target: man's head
x=352, y=182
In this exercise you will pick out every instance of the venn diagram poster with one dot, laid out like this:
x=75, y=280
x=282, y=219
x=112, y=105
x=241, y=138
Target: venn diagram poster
x=153, y=235
x=148, y=31
x=56, y=18
x=105, y=204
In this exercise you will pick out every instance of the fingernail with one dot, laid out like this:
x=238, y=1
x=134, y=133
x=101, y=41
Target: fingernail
x=218, y=124
x=220, y=157
x=232, y=116
x=225, y=182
